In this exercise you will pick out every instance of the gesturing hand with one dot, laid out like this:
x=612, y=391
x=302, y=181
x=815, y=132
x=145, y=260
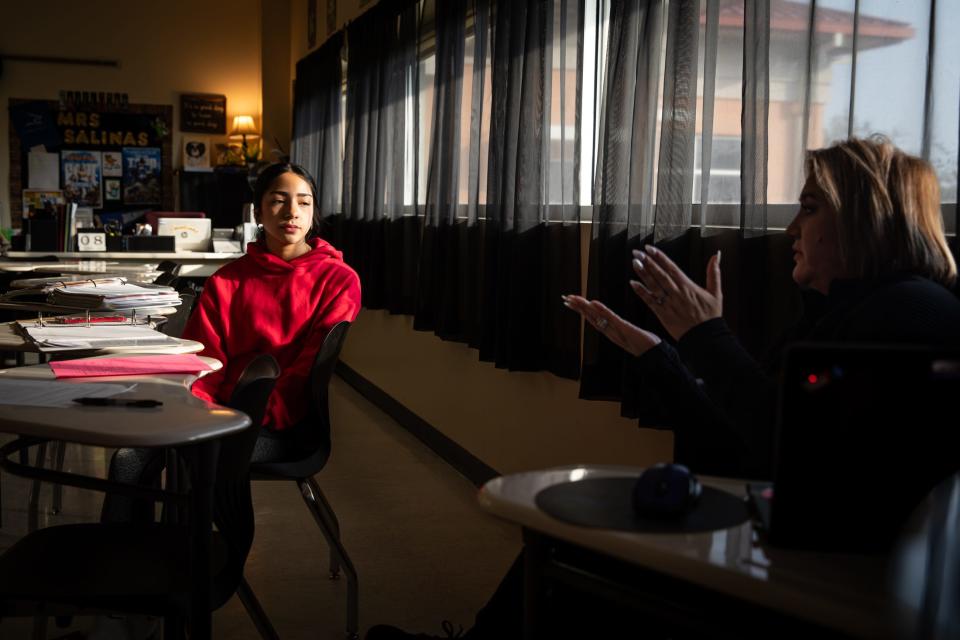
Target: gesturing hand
x=678, y=302
x=628, y=337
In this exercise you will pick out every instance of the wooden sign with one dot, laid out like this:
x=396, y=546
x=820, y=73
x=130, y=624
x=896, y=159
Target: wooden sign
x=203, y=113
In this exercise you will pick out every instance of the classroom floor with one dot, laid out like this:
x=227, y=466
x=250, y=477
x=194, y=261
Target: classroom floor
x=423, y=549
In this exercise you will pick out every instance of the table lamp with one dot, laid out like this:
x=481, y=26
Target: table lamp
x=244, y=128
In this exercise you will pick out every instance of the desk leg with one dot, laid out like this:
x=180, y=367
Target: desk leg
x=171, y=513
x=535, y=555
x=33, y=516
x=203, y=466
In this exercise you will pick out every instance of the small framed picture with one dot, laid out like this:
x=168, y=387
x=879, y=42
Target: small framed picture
x=111, y=188
x=112, y=164
x=196, y=153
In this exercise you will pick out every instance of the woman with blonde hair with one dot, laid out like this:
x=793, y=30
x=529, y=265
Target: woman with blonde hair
x=887, y=210
x=868, y=242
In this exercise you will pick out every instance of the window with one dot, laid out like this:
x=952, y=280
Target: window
x=880, y=73
x=724, y=169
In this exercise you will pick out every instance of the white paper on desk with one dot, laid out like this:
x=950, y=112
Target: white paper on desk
x=43, y=169
x=48, y=393
x=60, y=337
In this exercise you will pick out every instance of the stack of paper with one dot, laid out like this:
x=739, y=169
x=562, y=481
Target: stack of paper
x=66, y=337
x=115, y=296
x=90, y=317
x=49, y=283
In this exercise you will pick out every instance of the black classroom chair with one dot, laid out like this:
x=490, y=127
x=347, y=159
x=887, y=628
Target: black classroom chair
x=175, y=324
x=302, y=471
x=169, y=266
x=166, y=279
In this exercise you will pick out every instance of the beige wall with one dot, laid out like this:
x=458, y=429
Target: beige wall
x=164, y=49
x=277, y=78
x=510, y=420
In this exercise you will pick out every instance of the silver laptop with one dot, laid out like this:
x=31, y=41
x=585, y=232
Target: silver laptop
x=191, y=234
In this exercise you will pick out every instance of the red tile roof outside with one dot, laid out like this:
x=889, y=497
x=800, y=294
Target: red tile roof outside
x=793, y=16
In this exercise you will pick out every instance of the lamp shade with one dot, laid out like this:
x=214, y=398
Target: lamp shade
x=243, y=126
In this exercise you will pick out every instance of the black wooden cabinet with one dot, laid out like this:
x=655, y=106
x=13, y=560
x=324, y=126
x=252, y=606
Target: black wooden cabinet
x=220, y=194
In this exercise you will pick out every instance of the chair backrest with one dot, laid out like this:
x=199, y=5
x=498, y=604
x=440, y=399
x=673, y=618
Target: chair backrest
x=175, y=323
x=167, y=279
x=232, y=501
x=863, y=434
x=323, y=367
x=317, y=448
x=169, y=266
x=186, y=285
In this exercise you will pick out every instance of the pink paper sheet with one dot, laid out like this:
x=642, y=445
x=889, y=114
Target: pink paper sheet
x=128, y=366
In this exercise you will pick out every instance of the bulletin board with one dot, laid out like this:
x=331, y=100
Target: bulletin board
x=112, y=159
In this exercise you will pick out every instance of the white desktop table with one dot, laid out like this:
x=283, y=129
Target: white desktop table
x=193, y=263
x=137, y=270
x=45, y=372
x=183, y=420
x=840, y=592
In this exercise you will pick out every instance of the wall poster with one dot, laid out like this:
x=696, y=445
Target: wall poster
x=80, y=171
x=141, y=175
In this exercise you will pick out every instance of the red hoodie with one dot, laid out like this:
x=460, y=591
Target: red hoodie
x=264, y=304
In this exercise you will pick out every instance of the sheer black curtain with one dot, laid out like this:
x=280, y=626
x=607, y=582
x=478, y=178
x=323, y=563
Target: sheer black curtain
x=318, y=121
x=497, y=257
x=379, y=229
x=644, y=194
x=451, y=254
x=623, y=213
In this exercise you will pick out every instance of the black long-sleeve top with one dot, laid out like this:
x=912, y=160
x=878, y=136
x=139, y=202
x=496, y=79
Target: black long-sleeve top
x=725, y=425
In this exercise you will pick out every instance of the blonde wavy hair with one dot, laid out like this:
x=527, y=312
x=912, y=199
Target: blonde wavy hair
x=888, y=209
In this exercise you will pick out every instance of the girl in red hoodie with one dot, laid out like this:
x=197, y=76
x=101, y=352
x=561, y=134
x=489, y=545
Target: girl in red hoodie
x=281, y=298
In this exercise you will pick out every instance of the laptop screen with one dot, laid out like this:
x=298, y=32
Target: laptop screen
x=863, y=434
x=191, y=234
